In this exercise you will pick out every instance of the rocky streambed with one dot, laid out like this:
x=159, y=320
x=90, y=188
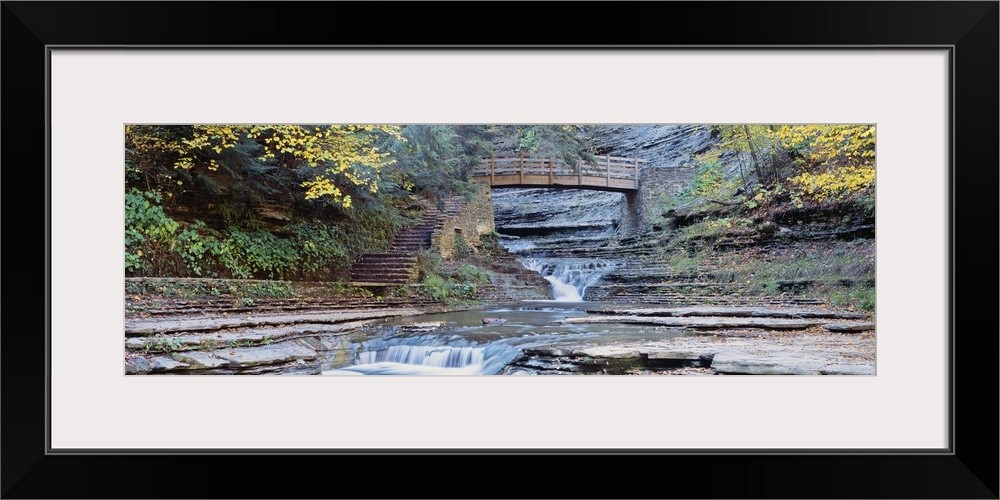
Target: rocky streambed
x=533, y=338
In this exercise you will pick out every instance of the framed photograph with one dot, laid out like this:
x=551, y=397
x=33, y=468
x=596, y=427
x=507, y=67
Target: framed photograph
x=909, y=87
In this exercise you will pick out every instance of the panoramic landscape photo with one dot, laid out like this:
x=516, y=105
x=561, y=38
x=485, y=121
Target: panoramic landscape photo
x=577, y=249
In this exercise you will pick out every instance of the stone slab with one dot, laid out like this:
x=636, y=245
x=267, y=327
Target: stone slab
x=151, y=326
x=849, y=327
x=699, y=322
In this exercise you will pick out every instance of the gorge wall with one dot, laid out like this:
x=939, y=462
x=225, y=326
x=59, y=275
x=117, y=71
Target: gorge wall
x=560, y=232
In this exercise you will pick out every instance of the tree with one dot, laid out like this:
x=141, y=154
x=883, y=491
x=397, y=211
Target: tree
x=435, y=160
x=562, y=142
x=833, y=161
x=342, y=157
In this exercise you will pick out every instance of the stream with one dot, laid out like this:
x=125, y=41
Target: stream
x=458, y=343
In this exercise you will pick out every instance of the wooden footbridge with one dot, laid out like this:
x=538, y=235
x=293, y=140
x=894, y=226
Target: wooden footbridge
x=606, y=173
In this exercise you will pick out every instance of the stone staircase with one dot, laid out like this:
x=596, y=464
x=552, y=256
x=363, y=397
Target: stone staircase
x=398, y=265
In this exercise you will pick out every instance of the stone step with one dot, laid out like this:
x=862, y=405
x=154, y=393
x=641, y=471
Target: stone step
x=374, y=277
x=402, y=259
x=389, y=254
x=383, y=264
x=380, y=271
x=383, y=271
x=305, y=308
x=386, y=282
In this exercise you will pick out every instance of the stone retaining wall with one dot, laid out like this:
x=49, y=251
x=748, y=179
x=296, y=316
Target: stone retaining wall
x=472, y=221
x=644, y=209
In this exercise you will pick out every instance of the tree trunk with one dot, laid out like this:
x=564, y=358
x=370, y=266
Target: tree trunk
x=739, y=158
x=775, y=155
x=753, y=154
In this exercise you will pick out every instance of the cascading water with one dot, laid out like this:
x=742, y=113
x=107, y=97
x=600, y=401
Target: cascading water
x=459, y=343
x=569, y=277
x=425, y=355
x=429, y=355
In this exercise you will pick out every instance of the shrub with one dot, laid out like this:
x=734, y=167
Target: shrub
x=149, y=233
x=442, y=285
x=462, y=249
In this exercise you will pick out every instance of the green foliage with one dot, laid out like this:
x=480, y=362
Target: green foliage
x=468, y=273
x=149, y=233
x=238, y=289
x=714, y=227
x=766, y=196
x=563, y=142
x=462, y=249
x=435, y=160
x=858, y=297
x=458, y=284
x=491, y=243
x=709, y=181
x=161, y=344
x=208, y=344
x=686, y=263
x=260, y=290
x=865, y=298
x=436, y=287
x=157, y=245
x=429, y=262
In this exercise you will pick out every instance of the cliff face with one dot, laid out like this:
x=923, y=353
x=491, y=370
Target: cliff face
x=662, y=145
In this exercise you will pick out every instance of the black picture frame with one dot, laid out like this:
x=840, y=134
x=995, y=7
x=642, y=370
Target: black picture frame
x=969, y=29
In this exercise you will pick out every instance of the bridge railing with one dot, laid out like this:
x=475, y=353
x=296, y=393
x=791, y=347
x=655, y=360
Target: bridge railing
x=610, y=167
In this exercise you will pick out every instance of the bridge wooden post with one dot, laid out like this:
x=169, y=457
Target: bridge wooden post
x=608, y=183
x=522, y=168
x=552, y=166
x=492, y=169
x=579, y=173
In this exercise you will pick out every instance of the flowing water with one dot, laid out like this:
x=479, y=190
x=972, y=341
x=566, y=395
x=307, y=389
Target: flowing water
x=570, y=277
x=458, y=343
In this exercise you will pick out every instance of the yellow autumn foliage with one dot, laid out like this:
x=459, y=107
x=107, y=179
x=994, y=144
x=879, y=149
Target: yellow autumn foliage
x=838, y=161
x=839, y=182
x=344, y=154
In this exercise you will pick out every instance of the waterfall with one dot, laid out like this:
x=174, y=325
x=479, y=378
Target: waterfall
x=425, y=355
x=428, y=355
x=569, y=277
